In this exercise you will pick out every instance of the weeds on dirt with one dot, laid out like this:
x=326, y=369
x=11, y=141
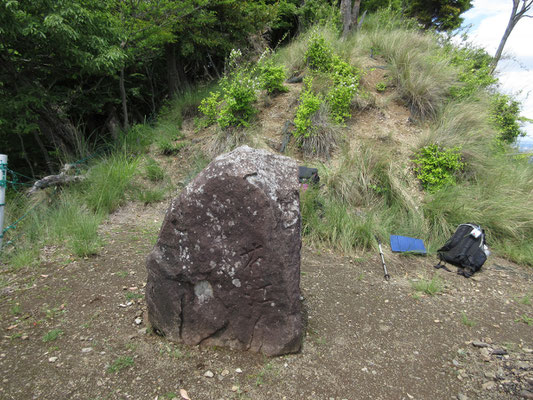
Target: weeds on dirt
x=466, y=321
x=15, y=309
x=429, y=287
x=54, y=334
x=525, y=319
x=119, y=364
x=263, y=374
x=526, y=300
x=133, y=296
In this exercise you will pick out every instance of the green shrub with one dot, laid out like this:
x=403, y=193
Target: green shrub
x=239, y=95
x=272, y=77
x=209, y=107
x=505, y=114
x=475, y=70
x=319, y=54
x=437, y=167
x=308, y=106
x=381, y=86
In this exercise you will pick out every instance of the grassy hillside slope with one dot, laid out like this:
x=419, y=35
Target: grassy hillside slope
x=368, y=108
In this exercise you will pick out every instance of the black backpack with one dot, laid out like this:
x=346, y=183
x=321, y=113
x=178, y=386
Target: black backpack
x=308, y=175
x=466, y=249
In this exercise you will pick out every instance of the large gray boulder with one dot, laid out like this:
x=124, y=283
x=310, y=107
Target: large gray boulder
x=226, y=267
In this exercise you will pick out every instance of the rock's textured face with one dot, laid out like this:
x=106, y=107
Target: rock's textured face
x=226, y=267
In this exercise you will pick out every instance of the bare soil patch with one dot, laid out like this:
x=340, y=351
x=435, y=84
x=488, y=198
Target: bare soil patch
x=366, y=338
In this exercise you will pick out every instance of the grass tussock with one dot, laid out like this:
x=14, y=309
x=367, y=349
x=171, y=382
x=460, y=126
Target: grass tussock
x=108, y=182
x=428, y=286
x=326, y=135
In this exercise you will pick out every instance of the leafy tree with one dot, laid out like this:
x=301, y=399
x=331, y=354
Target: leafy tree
x=55, y=56
x=443, y=15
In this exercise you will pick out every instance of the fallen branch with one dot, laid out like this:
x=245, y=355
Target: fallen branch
x=55, y=180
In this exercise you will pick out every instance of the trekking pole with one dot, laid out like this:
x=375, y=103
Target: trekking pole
x=387, y=276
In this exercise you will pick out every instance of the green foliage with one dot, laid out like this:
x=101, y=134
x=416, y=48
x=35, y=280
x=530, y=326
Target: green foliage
x=153, y=171
x=381, y=86
x=525, y=319
x=233, y=106
x=505, y=114
x=475, y=70
x=271, y=77
x=239, y=94
x=52, y=335
x=119, y=364
x=168, y=147
x=319, y=54
x=209, y=107
x=309, y=105
x=443, y=15
x=437, y=167
x=346, y=84
x=108, y=182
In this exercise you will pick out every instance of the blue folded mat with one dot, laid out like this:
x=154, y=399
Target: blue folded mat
x=403, y=244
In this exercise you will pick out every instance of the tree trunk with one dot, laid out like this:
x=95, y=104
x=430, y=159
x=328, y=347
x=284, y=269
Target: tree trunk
x=355, y=12
x=43, y=150
x=172, y=71
x=510, y=25
x=346, y=12
x=112, y=122
x=149, y=75
x=125, y=123
x=25, y=155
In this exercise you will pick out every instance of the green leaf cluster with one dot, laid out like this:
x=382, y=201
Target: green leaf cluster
x=345, y=83
x=234, y=104
x=271, y=77
x=437, y=167
x=319, y=54
x=474, y=64
x=505, y=116
x=443, y=15
x=309, y=105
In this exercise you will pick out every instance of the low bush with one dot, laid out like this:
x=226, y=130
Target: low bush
x=437, y=167
x=319, y=54
x=308, y=106
x=505, y=116
x=271, y=77
x=474, y=70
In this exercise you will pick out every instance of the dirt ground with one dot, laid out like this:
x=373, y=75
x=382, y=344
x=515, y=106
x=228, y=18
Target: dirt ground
x=366, y=338
x=77, y=328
